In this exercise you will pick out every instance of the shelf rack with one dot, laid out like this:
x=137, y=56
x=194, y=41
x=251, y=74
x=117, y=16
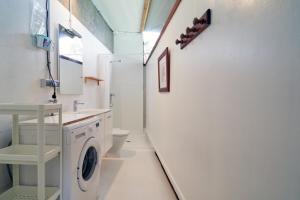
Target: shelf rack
x=86, y=78
x=18, y=154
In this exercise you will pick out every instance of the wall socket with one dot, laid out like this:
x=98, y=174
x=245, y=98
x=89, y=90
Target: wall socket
x=49, y=83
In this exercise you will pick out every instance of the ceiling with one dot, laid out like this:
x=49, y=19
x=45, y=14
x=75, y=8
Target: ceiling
x=121, y=15
x=126, y=15
x=158, y=14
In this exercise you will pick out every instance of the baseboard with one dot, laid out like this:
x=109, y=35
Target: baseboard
x=167, y=170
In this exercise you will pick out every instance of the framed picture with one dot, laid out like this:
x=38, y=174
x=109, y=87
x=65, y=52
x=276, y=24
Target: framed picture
x=164, y=71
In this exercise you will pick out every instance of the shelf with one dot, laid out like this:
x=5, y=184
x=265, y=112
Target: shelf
x=20, y=154
x=92, y=79
x=29, y=109
x=28, y=192
x=26, y=154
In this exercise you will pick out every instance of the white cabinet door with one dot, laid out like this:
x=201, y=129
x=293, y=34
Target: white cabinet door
x=108, y=130
x=101, y=134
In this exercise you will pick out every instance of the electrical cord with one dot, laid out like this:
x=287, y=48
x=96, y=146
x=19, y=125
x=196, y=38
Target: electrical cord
x=8, y=167
x=48, y=52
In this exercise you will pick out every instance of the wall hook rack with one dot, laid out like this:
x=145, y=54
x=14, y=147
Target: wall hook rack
x=199, y=25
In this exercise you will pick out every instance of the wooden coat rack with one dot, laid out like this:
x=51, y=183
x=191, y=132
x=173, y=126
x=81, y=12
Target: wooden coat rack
x=199, y=25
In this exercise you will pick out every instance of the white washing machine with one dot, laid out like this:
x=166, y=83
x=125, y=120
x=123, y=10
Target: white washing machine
x=81, y=160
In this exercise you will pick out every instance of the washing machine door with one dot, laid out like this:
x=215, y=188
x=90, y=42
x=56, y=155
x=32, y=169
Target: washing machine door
x=88, y=163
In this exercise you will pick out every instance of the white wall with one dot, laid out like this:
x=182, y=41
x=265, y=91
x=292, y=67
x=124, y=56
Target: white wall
x=105, y=73
x=229, y=129
x=22, y=65
x=127, y=82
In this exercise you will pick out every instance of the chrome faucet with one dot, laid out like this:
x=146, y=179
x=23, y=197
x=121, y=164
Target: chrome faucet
x=75, y=105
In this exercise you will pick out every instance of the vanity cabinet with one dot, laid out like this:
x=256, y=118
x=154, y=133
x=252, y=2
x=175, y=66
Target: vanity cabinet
x=108, y=131
x=101, y=134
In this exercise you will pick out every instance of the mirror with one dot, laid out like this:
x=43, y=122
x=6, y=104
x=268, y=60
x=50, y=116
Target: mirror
x=70, y=61
x=158, y=17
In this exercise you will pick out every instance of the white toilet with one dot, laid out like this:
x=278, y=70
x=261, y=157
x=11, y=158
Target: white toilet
x=119, y=137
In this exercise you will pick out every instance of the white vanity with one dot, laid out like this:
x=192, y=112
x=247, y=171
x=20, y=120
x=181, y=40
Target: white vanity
x=98, y=121
x=105, y=115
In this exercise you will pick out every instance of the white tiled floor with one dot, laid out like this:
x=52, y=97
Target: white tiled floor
x=136, y=175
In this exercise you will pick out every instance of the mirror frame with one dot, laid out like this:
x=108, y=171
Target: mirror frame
x=173, y=10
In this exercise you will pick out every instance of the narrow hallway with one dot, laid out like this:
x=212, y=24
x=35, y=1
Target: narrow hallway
x=137, y=174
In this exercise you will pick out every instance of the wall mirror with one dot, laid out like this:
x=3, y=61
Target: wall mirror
x=70, y=61
x=157, y=15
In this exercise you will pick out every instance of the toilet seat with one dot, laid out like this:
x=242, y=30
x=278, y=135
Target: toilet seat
x=119, y=132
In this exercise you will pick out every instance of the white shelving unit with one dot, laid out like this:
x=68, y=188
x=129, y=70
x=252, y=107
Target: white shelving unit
x=18, y=154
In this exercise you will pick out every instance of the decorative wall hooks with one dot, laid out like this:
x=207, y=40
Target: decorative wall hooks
x=199, y=25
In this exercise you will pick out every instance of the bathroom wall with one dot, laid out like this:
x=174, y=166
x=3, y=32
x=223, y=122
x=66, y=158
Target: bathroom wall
x=22, y=65
x=229, y=129
x=127, y=82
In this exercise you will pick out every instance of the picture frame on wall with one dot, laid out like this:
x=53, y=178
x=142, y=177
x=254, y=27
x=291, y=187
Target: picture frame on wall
x=164, y=71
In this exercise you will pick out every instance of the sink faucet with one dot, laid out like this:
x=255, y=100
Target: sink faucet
x=75, y=105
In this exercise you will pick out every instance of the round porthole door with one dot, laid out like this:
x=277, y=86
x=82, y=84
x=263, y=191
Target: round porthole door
x=88, y=163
